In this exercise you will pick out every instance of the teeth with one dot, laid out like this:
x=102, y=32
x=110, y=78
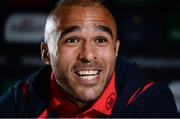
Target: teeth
x=88, y=77
x=87, y=73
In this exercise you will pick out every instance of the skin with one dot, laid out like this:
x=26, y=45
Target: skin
x=81, y=39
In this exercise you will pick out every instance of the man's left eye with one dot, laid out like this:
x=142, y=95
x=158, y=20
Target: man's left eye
x=101, y=40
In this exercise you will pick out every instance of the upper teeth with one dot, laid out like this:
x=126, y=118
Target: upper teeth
x=87, y=73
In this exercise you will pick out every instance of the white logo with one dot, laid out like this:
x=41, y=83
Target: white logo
x=25, y=28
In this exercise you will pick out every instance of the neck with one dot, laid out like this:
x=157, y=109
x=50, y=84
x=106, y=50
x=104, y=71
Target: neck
x=81, y=105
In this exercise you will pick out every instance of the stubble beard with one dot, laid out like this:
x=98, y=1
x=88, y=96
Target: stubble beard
x=86, y=94
x=81, y=95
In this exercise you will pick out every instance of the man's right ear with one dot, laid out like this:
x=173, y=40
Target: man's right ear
x=45, y=53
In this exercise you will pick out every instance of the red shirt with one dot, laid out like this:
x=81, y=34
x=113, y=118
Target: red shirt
x=64, y=107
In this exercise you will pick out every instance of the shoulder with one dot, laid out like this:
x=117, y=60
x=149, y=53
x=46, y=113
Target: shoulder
x=154, y=100
x=140, y=93
x=15, y=100
x=129, y=77
x=8, y=101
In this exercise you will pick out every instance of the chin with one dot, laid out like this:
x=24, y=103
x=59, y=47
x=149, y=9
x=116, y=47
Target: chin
x=88, y=99
x=89, y=95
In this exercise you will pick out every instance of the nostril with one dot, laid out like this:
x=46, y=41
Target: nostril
x=87, y=59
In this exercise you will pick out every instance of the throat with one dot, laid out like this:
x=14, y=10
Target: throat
x=80, y=104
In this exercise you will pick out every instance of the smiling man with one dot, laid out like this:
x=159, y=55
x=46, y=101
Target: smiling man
x=83, y=50
x=81, y=77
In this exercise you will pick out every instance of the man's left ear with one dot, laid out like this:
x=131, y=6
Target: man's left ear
x=45, y=53
x=117, y=46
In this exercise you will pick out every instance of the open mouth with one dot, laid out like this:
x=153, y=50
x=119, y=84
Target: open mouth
x=88, y=74
x=89, y=77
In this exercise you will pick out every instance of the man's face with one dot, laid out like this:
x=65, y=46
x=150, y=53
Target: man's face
x=86, y=51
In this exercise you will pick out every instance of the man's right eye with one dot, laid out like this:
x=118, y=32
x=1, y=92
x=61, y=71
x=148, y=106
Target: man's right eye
x=72, y=40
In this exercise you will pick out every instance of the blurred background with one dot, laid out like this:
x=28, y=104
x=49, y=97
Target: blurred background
x=149, y=32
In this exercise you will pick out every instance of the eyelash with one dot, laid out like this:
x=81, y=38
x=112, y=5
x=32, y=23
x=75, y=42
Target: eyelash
x=99, y=41
x=72, y=40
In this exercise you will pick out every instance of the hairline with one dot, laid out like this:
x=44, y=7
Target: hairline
x=79, y=3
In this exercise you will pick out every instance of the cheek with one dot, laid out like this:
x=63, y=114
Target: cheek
x=66, y=56
x=109, y=59
x=108, y=56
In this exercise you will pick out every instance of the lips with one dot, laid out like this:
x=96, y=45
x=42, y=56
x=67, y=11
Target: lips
x=88, y=76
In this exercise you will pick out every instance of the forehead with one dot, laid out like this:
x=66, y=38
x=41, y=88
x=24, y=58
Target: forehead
x=77, y=15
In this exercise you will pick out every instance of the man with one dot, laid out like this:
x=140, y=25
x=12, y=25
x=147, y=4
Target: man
x=80, y=78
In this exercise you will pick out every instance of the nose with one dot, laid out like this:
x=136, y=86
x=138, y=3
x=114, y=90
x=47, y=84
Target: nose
x=87, y=52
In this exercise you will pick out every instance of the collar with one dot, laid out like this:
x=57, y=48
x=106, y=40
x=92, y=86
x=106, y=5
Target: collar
x=103, y=106
x=107, y=100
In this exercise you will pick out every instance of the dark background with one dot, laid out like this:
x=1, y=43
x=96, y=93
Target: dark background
x=149, y=31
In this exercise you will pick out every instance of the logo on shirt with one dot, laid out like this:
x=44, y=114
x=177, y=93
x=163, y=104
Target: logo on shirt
x=110, y=101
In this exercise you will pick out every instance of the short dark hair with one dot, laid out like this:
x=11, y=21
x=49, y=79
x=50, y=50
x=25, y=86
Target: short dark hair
x=83, y=3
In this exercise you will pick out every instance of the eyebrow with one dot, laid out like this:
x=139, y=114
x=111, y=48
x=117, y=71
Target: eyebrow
x=106, y=29
x=69, y=30
x=77, y=28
